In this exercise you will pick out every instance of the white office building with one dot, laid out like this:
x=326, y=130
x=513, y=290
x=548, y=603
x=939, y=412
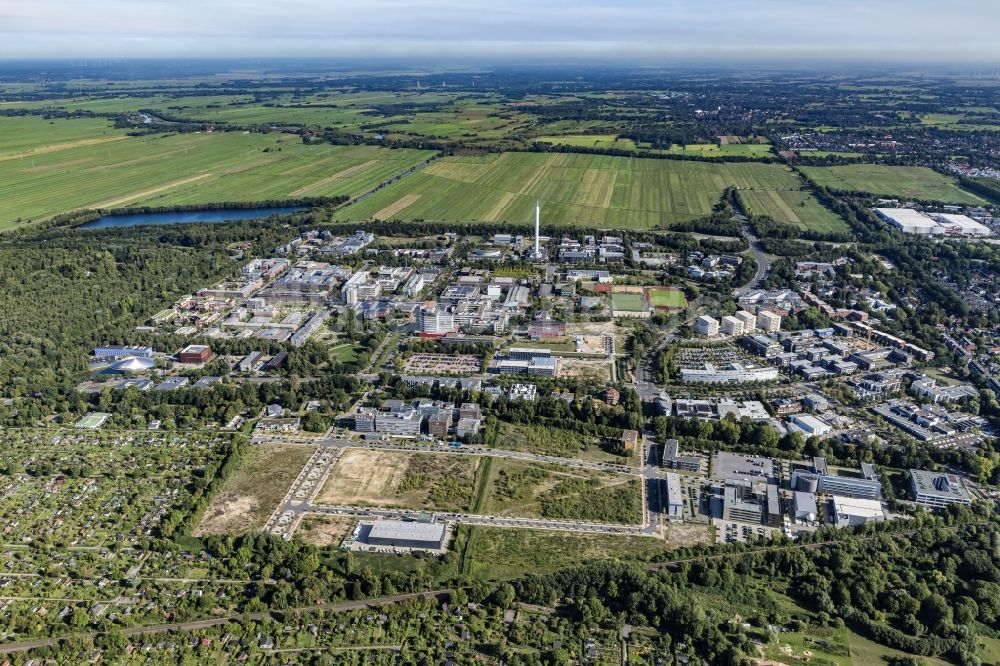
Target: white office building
x=731, y=326
x=705, y=325
x=768, y=321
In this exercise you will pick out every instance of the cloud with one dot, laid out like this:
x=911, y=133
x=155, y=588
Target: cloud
x=551, y=28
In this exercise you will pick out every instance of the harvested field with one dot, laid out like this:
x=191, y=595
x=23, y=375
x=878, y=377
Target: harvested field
x=324, y=181
x=387, y=212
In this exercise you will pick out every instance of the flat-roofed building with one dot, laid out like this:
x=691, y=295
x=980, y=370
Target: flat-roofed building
x=705, y=325
x=810, y=425
x=674, y=459
x=804, y=506
x=851, y=511
x=406, y=534
x=768, y=322
x=195, y=354
x=938, y=489
x=438, y=424
x=909, y=221
x=749, y=320
x=731, y=326
x=674, y=497
x=960, y=225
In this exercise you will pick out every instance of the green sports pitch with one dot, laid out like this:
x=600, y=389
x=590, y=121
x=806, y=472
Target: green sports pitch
x=628, y=302
x=666, y=297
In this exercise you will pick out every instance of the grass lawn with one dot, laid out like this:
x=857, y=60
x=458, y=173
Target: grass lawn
x=800, y=209
x=574, y=189
x=345, y=352
x=70, y=168
x=894, y=181
x=254, y=490
x=533, y=490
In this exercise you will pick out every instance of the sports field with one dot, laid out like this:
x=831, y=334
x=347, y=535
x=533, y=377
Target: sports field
x=628, y=302
x=800, y=209
x=574, y=189
x=106, y=169
x=666, y=297
x=894, y=181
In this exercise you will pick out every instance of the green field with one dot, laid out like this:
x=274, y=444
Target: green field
x=499, y=552
x=660, y=297
x=590, y=141
x=574, y=189
x=894, y=181
x=628, y=302
x=800, y=209
x=724, y=150
x=537, y=490
x=61, y=175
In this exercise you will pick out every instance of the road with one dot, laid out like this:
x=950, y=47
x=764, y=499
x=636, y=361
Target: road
x=343, y=607
x=763, y=265
x=299, y=500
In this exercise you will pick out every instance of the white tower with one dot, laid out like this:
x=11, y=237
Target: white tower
x=538, y=213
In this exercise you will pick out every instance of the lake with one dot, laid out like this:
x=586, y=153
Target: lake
x=185, y=216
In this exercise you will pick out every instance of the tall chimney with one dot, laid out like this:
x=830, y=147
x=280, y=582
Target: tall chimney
x=538, y=213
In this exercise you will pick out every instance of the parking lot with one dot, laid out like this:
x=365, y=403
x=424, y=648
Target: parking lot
x=443, y=364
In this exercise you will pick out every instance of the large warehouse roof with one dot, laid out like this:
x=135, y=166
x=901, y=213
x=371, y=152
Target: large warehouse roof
x=399, y=530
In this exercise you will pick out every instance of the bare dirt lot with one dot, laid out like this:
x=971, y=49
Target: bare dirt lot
x=401, y=479
x=254, y=490
x=584, y=367
x=324, y=530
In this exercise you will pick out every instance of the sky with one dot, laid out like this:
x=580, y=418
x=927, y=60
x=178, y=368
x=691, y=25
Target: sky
x=640, y=30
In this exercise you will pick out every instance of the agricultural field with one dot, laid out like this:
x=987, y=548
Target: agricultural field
x=192, y=168
x=524, y=489
x=254, y=490
x=435, y=481
x=29, y=136
x=574, y=189
x=799, y=209
x=721, y=150
x=893, y=181
x=603, y=141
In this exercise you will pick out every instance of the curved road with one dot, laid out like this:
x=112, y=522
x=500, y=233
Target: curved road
x=763, y=265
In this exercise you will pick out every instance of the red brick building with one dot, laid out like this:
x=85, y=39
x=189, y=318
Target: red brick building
x=195, y=354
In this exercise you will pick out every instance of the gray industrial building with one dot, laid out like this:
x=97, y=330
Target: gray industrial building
x=674, y=496
x=674, y=459
x=749, y=502
x=405, y=534
x=804, y=505
x=820, y=480
x=937, y=489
